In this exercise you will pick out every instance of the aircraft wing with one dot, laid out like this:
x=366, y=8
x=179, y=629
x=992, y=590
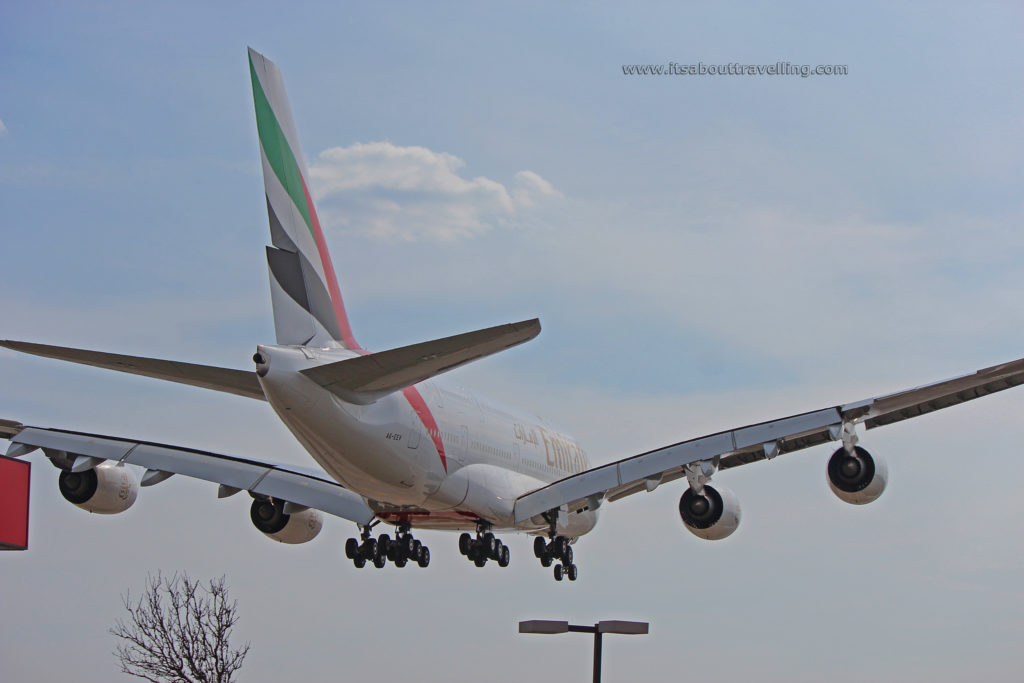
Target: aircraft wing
x=282, y=482
x=238, y=382
x=762, y=441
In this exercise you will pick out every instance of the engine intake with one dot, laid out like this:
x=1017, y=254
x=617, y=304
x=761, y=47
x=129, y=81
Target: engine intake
x=299, y=527
x=857, y=478
x=712, y=514
x=106, y=489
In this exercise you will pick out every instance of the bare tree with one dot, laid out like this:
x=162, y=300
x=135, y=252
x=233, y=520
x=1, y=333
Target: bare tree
x=178, y=632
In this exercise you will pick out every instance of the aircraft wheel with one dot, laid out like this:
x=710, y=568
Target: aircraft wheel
x=480, y=560
x=546, y=559
x=379, y=561
x=490, y=544
x=560, y=544
x=540, y=546
x=424, y=558
x=401, y=561
x=369, y=549
x=558, y=572
x=383, y=543
x=567, y=555
x=409, y=545
x=465, y=544
x=503, y=556
x=351, y=548
x=572, y=572
x=359, y=562
x=416, y=545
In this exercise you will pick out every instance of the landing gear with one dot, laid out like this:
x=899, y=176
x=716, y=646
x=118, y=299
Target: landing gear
x=485, y=546
x=400, y=550
x=557, y=549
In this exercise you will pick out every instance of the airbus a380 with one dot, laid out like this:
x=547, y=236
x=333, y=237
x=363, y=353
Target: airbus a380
x=399, y=446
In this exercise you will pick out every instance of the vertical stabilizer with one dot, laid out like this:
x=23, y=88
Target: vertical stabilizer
x=308, y=308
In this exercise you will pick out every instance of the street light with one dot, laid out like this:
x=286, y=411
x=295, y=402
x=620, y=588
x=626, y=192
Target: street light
x=613, y=626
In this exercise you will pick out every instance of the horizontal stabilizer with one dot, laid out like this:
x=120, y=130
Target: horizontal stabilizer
x=365, y=379
x=239, y=382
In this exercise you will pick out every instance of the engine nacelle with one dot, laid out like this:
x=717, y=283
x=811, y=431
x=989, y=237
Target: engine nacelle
x=859, y=478
x=712, y=514
x=299, y=527
x=106, y=489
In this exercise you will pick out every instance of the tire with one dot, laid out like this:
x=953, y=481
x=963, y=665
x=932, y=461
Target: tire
x=572, y=572
x=383, y=541
x=490, y=544
x=480, y=561
x=408, y=545
x=503, y=556
x=465, y=544
x=424, y=558
x=416, y=545
x=379, y=561
x=558, y=572
x=400, y=562
x=359, y=562
x=351, y=548
x=560, y=546
x=546, y=560
x=567, y=555
x=369, y=548
x=540, y=546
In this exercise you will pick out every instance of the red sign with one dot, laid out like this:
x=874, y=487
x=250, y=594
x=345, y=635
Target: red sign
x=14, y=479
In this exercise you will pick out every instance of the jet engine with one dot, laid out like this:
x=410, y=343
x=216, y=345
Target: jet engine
x=859, y=478
x=712, y=514
x=298, y=527
x=106, y=489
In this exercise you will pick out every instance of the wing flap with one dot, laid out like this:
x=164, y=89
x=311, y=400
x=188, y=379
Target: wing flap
x=262, y=478
x=365, y=379
x=238, y=382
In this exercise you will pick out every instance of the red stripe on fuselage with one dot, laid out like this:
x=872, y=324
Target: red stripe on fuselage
x=332, y=281
x=427, y=418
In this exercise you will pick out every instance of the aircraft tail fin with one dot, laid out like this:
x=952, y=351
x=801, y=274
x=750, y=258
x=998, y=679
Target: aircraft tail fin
x=308, y=308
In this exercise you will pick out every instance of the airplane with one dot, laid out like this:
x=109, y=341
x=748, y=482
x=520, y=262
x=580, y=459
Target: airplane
x=398, y=445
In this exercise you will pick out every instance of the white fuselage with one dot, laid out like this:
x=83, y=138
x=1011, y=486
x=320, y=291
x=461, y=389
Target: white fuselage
x=433, y=456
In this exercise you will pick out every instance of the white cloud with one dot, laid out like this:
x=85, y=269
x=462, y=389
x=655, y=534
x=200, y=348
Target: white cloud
x=414, y=193
x=529, y=185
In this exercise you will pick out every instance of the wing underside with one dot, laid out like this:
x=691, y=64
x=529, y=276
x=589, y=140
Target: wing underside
x=762, y=441
x=282, y=482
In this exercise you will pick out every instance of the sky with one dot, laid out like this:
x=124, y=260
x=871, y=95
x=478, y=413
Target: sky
x=703, y=252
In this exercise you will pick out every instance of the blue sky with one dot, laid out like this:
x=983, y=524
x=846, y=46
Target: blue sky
x=702, y=252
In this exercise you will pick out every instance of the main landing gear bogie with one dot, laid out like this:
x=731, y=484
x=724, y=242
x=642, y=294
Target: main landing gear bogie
x=400, y=550
x=485, y=546
x=557, y=549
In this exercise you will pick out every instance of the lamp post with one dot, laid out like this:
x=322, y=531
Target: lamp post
x=550, y=627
